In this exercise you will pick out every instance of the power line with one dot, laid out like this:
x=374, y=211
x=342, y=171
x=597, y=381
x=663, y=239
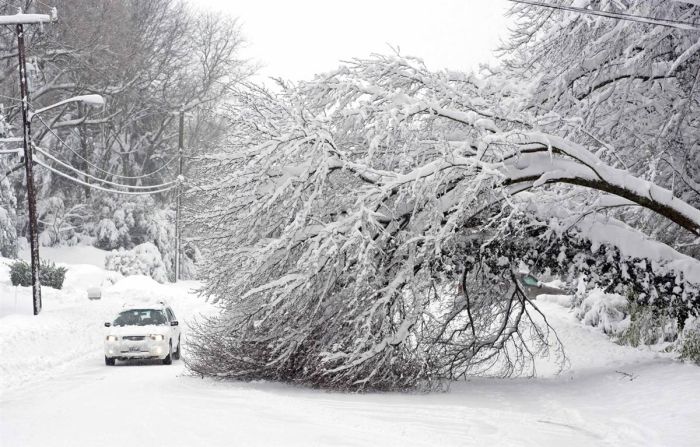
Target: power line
x=66, y=145
x=73, y=179
x=11, y=98
x=47, y=154
x=42, y=3
x=689, y=26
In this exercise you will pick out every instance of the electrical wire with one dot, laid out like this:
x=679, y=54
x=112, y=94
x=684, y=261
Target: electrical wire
x=42, y=3
x=94, y=165
x=47, y=154
x=11, y=98
x=689, y=26
x=73, y=179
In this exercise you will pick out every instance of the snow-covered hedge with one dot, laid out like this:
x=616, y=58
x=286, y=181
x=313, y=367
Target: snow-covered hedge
x=144, y=259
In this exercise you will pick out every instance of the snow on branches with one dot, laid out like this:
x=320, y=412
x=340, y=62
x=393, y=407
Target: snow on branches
x=626, y=90
x=358, y=228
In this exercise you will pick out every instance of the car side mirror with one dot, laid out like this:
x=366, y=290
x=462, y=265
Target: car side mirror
x=174, y=323
x=108, y=324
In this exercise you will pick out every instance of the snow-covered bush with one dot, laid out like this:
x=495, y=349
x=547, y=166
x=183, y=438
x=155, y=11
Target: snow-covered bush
x=52, y=276
x=625, y=320
x=191, y=256
x=689, y=341
x=159, y=229
x=144, y=259
x=20, y=274
x=107, y=237
x=607, y=311
x=128, y=223
x=647, y=325
x=49, y=274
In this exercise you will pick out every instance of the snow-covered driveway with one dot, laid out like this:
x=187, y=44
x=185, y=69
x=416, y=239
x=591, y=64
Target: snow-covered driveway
x=70, y=398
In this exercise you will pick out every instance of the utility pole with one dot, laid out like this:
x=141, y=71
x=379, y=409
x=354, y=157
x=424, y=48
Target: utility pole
x=180, y=145
x=82, y=111
x=19, y=20
x=29, y=169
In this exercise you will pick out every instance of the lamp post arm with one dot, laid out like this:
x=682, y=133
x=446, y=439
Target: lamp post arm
x=92, y=100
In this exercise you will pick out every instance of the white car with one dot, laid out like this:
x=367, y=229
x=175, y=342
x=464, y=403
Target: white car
x=147, y=331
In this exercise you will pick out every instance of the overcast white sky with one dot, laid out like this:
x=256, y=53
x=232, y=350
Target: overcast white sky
x=297, y=39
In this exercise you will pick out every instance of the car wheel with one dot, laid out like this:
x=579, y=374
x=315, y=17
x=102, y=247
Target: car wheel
x=109, y=361
x=168, y=360
x=176, y=354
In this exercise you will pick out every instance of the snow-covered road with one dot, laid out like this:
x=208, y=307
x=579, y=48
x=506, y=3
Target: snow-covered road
x=152, y=405
x=71, y=398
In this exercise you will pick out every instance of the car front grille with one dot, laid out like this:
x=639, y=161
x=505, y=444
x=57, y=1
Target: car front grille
x=134, y=337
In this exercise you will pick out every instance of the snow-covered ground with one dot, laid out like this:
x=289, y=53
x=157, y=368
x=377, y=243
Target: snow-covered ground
x=56, y=391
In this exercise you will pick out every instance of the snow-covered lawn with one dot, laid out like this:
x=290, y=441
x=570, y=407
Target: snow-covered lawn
x=56, y=391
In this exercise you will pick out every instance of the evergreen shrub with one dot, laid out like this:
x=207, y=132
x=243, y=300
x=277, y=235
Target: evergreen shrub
x=49, y=274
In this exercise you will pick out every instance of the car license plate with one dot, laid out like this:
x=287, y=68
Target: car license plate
x=134, y=349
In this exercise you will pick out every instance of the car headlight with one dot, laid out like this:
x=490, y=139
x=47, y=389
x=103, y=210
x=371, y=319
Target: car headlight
x=112, y=338
x=157, y=337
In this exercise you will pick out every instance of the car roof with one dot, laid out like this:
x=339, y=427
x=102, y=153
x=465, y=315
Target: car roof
x=146, y=304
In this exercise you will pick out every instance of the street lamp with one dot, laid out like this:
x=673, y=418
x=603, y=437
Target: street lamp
x=27, y=117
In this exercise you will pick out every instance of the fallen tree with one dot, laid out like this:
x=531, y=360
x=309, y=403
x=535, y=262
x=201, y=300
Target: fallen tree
x=364, y=228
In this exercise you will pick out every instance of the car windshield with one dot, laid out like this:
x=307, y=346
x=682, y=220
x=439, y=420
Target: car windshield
x=140, y=317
